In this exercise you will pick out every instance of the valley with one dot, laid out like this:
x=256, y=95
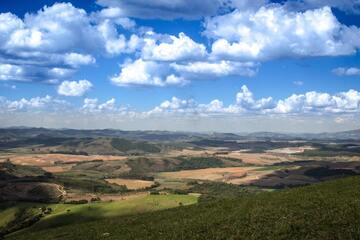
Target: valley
x=87, y=178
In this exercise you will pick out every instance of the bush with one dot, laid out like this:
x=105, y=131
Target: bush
x=82, y=201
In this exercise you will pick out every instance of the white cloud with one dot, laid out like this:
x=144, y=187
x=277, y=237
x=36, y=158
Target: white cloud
x=352, y=71
x=92, y=105
x=116, y=15
x=73, y=88
x=10, y=72
x=60, y=36
x=314, y=102
x=245, y=101
x=176, y=49
x=46, y=103
x=76, y=59
x=245, y=104
x=274, y=32
x=216, y=69
x=175, y=105
x=343, y=104
x=146, y=73
x=114, y=42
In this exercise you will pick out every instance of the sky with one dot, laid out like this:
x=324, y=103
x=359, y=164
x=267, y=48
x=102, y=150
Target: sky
x=181, y=65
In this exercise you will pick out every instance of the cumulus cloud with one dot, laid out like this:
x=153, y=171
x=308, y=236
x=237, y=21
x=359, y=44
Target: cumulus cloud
x=275, y=32
x=176, y=49
x=10, y=72
x=245, y=104
x=344, y=102
x=92, y=105
x=216, y=69
x=352, y=71
x=76, y=59
x=245, y=101
x=46, y=103
x=60, y=36
x=73, y=88
x=147, y=73
x=116, y=16
x=176, y=105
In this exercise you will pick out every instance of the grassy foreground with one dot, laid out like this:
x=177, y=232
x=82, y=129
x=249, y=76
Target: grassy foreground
x=329, y=210
x=67, y=214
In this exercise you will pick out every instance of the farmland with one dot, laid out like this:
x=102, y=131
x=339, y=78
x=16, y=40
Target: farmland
x=130, y=183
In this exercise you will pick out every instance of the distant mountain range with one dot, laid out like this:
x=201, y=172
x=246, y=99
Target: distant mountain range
x=25, y=132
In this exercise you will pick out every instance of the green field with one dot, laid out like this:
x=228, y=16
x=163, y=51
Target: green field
x=329, y=210
x=68, y=214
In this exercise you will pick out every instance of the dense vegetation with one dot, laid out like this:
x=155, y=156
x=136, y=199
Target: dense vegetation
x=211, y=191
x=87, y=181
x=197, y=163
x=330, y=150
x=250, y=146
x=329, y=210
x=10, y=171
x=125, y=145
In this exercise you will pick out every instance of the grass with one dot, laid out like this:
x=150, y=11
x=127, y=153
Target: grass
x=7, y=215
x=329, y=210
x=68, y=214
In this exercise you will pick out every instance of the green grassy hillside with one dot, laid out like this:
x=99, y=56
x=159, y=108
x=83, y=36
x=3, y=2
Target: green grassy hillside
x=329, y=210
x=13, y=215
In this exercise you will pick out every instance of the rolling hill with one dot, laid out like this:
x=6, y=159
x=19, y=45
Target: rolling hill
x=329, y=210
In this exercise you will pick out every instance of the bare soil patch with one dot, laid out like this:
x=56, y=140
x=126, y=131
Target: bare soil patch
x=46, y=160
x=235, y=175
x=132, y=184
x=267, y=158
x=291, y=150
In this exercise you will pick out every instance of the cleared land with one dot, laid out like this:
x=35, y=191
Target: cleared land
x=235, y=175
x=51, y=159
x=268, y=158
x=131, y=184
x=56, y=163
x=291, y=150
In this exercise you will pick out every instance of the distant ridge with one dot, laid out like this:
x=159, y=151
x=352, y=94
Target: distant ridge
x=172, y=136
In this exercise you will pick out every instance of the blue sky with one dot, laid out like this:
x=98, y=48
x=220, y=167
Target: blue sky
x=135, y=64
